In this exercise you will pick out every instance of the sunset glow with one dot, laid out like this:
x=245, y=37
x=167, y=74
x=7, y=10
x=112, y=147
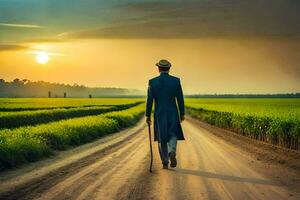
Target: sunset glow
x=42, y=58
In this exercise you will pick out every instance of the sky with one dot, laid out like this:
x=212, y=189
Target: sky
x=215, y=46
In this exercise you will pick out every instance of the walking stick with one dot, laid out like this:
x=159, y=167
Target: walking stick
x=151, y=153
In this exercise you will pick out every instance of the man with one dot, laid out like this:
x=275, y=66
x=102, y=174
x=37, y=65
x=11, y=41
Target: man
x=165, y=90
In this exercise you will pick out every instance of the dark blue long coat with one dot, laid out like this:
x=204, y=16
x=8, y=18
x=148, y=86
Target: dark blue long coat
x=165, y=90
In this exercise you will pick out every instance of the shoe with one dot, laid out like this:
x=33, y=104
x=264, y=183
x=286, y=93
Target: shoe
x=165, y=167
x=173, y=159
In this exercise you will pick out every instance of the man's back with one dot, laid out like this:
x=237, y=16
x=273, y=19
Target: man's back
x=165, y=88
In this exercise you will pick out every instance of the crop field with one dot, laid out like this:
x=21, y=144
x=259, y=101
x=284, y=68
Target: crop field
x=21, y=104
x=28, y=134
x=276, y=121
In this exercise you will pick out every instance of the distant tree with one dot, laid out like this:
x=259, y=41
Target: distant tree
x=65, y=95
x=49, y=94
x=17, y=82
x=25, y=81
x=2, y=81
x=90, y=96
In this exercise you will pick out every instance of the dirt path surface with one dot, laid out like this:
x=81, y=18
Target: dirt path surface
x=208, y=168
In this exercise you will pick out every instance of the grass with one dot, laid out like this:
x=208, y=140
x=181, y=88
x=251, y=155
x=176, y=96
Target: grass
x=31, y=143
x=276, y=121
x=21, y=104
x=279, y=108
x=25, y=118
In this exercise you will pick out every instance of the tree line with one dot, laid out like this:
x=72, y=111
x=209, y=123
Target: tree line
x=27, y=88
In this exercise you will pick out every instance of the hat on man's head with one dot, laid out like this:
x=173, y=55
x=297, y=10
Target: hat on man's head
x=164, y=64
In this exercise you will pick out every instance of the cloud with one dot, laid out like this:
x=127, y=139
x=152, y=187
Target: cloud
x=12, y=47
x=148, y=6
x=161, y=19
x=196, y=19
x=20, y=25
x=173, y=29
x=55, y=39
x=38, y=51
x=28, y=49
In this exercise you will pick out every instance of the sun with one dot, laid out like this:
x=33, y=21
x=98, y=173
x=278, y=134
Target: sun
x=42, y=57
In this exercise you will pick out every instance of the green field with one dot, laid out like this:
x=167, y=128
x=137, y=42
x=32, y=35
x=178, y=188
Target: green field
x=20, y=104
x=272, y=120
x=35, y=128
x=31, y=129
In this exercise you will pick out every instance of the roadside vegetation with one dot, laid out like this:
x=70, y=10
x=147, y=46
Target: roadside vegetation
x=275, y=121
x=32, y=143
x=25, y=118
x=25, y=104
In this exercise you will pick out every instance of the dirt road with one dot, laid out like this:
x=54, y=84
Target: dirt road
x=208, y=168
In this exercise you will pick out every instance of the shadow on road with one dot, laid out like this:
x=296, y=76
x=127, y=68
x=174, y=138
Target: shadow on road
x=223, y=177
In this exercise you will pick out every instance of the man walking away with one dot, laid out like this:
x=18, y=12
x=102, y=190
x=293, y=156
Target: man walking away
x=166, y=92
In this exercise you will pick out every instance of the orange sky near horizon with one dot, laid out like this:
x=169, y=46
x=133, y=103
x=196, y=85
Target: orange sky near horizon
x=205, y=65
